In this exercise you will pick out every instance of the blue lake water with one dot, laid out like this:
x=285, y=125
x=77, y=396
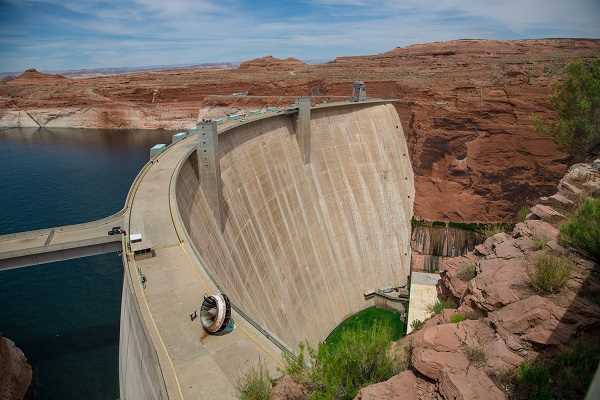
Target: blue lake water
x=65, y=315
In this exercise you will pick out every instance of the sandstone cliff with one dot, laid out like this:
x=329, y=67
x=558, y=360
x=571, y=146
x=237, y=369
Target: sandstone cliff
x=466, y=104
x=507, y=321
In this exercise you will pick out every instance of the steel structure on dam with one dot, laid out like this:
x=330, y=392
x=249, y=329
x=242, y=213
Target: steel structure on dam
x=294, y=214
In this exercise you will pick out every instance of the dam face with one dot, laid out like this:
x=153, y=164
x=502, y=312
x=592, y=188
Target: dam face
x=300, y=243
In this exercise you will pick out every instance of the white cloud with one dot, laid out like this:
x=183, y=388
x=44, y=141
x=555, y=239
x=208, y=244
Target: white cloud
x=137, y=32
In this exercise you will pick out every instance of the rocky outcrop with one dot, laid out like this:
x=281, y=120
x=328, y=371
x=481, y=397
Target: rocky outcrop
x=507, y=321
x=15, y=371
x=272, y=63
x=466, y=105
x=400, y=387
x=33, y=76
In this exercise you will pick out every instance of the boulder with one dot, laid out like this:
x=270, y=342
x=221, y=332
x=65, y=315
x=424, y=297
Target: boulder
x=547, y=213
x=15, y=371
x=431, y=363
x=400, y=387
x=500, y=282
x=468, y=384
x=542, y=230
x=534, y=319
x=288, y=389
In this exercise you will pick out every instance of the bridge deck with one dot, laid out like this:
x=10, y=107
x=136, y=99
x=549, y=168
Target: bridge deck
x=59, y=243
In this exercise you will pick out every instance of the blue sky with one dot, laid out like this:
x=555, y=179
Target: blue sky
x=73, y=34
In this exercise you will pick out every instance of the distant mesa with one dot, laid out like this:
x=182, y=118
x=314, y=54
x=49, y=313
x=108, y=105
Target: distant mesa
x=32, y=75
x=272, y=63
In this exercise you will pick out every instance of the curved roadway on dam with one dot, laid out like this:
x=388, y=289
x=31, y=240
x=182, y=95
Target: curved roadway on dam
x=298, y=245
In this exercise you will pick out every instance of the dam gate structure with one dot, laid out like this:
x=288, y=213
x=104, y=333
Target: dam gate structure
x=296, y=215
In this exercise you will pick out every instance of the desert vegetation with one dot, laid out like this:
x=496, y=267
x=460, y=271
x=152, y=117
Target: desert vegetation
x=417, y=324
x=577, y=103
x=522, y=213
x=582, y=229
x=565, y=376
x=458, y=317
x=475, y=354
x=337, y=371
x=550, y=272
x=440, y=305
x=356, y=354
x=255, y=384
x=467, y=272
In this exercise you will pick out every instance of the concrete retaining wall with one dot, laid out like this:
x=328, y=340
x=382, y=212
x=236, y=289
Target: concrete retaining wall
x=139, y=371
x=300, y=244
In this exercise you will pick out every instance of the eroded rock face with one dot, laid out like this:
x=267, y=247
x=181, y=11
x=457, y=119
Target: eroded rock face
x=400, y=387
x=15, y=371
x=272, y=63
x=508, y=322
x=466, y=106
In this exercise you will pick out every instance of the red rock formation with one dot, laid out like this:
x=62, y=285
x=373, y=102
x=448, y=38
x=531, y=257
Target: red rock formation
x=15, y=371
x=33, y=76
x=400, y=387
x=272, y=63
x=508, y=321
x=466, y=105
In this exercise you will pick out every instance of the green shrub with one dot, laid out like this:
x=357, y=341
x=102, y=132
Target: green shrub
x=440, y=305
x=417, y=324
x=582, y=229
x=475, y=354
x=255, y=384
x=568, y=375
x=467, y=272
x=340, y=369
x=534, y=379
x=522, y=214
x=577, y=102
x=550, y=273
x=296, y=365
x=458, y=317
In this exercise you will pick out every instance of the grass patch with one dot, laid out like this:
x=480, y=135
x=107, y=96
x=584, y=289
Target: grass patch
x=255, y=384
x=566, y=376
x=475, y=354
x=440, y=305
x=366, y=318
x=539, y=244
x=458, y=317
x=550, y=273
x=417, y=324
x=488, y=230
x=522, y=213
x=338, y=370
x=467, y=272
x=582, y=229
x=467, y=226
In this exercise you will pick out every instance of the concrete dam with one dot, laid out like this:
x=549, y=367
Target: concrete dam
x=296, y=215
x=300, y=242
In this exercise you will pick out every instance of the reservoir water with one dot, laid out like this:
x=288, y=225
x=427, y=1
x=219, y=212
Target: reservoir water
x=65, y=315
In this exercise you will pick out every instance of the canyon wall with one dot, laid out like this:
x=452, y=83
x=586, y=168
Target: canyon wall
x=467, y=108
